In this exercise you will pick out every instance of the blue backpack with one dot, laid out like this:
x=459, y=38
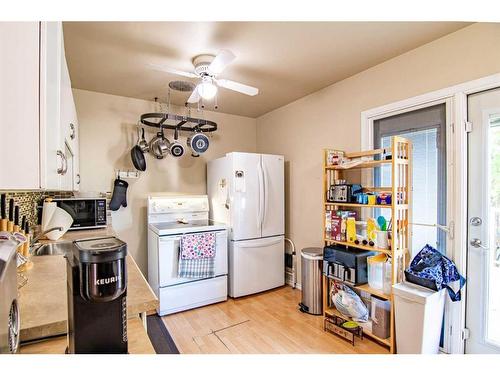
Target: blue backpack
x=433, y=270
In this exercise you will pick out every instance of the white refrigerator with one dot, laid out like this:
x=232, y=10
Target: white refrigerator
x=246, y=192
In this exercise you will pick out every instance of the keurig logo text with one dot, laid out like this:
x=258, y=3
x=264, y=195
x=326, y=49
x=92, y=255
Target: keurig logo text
x=107, y=280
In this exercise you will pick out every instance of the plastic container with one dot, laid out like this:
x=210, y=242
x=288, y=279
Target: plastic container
x=376, y=265
x=419, y=316
x=381, y=317
x=387, y=276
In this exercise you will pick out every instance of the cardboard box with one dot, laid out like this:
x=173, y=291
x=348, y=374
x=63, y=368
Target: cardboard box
x=336, y=229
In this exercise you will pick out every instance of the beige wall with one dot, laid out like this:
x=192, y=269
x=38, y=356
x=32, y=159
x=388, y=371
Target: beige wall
x=331, y=117
x=108, y=132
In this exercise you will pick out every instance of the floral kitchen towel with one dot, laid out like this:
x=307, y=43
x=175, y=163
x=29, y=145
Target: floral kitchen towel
x=197, y=256
x=198, y=245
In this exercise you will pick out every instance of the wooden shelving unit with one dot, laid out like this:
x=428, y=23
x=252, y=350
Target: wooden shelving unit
x=400, y=214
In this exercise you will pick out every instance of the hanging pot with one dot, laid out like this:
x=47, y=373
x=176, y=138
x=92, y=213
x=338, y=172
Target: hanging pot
x=141, y=142
x=159, y=145
x=198, y=143
x=176, y=148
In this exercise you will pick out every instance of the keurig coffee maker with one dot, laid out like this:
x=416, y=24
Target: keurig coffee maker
x=97, y=291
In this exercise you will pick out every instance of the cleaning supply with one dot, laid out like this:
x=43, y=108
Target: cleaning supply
x=351, y=229
x=371, y=227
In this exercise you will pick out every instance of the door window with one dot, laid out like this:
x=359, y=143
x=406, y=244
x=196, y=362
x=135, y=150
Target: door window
x=426, y=130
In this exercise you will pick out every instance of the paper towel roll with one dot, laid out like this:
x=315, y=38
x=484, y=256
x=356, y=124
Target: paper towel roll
x=47, y=213
x=60, y=218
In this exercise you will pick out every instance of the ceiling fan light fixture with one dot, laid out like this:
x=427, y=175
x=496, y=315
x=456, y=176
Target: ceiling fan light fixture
x=207, y=89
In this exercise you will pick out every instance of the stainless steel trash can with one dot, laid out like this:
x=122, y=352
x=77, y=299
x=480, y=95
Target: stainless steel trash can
x=311, y=266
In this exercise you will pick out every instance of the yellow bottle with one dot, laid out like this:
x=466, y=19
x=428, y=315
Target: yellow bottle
x=371, y=228
x=351, y=229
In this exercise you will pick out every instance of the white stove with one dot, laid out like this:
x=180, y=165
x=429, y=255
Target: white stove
x=169, y=219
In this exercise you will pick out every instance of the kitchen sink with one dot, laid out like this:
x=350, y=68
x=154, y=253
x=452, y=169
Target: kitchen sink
x=61, y=248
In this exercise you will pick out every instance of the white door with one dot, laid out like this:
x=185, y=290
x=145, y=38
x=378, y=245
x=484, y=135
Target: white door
x=19, y=126
x=256, y=265
x=247, y=196
x=483, y=264
x=273, y=218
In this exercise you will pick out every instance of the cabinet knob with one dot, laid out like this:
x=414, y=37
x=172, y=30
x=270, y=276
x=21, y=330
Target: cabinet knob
x=73, y=130
x=78, y=179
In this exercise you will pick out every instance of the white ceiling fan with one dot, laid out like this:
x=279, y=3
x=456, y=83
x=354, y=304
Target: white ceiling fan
x=207, y=67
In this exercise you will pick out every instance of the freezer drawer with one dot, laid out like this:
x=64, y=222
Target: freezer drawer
x=256, y=265
x=168, y=258
x=190, y=295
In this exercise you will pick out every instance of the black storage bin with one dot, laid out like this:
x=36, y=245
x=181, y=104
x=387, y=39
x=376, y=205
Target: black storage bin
x=346, y=265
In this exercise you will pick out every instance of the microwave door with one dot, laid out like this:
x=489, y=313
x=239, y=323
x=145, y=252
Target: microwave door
x=82, y=211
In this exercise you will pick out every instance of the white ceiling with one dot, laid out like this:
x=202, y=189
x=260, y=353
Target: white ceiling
x=285, y=60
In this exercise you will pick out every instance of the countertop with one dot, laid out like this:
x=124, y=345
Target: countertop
x=73, y=235
x=42, y=301
x=138, y=342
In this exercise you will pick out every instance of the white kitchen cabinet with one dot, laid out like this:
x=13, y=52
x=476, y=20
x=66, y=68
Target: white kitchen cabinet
x=69, y=129
x=19, y=106
x=39, y=127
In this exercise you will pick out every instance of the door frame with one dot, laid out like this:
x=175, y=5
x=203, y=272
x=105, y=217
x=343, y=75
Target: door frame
x=455, y=98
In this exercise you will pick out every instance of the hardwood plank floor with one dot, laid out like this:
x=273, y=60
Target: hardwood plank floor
x=268, y=322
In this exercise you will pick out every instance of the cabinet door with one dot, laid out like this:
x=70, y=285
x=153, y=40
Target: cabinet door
x=51, y=145
x=69, y=124
x=19, y=125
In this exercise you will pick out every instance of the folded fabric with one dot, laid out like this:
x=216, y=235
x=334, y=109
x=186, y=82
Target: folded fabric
x=197, y=256
x=197, y=268
x=198, y=245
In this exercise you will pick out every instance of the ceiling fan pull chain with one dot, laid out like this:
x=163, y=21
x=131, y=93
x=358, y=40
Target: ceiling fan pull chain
x=168, y=99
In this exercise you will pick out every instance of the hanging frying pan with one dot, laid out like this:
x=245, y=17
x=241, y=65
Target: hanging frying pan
x=138, y=158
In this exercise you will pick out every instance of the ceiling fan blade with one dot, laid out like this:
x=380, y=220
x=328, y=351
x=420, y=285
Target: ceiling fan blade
x=236, y=86
x=219, y=63
x=194, y=97
x=166, y=69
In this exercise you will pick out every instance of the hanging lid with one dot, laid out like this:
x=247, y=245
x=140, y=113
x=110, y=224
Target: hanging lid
x=312, y=253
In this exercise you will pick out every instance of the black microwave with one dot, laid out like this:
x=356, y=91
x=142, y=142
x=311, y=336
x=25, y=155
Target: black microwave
x=87, y=213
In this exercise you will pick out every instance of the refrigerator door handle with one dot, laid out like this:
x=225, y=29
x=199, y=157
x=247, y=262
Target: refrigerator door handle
x=266, y=193
x=260, y=245
x=261, y=195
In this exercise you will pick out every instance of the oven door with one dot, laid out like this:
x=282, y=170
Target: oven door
x=168, y=258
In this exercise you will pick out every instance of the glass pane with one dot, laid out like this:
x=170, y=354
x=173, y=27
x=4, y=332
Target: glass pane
x=493, y=259
x=425, y=204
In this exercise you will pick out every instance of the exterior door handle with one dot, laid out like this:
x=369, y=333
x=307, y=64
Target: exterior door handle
x=476, y=242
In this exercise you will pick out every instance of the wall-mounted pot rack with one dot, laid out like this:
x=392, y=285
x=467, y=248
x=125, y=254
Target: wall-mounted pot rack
x=185, y=123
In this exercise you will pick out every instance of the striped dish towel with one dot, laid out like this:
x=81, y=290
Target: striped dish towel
x=197, y=256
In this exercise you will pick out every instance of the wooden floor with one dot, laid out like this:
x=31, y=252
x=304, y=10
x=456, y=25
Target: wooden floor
x=268, y=322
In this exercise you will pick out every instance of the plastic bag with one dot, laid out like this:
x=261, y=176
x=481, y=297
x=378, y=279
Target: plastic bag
x=349, y=304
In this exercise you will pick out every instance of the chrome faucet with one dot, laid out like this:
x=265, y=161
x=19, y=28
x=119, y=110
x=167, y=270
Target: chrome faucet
x=34, y=242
